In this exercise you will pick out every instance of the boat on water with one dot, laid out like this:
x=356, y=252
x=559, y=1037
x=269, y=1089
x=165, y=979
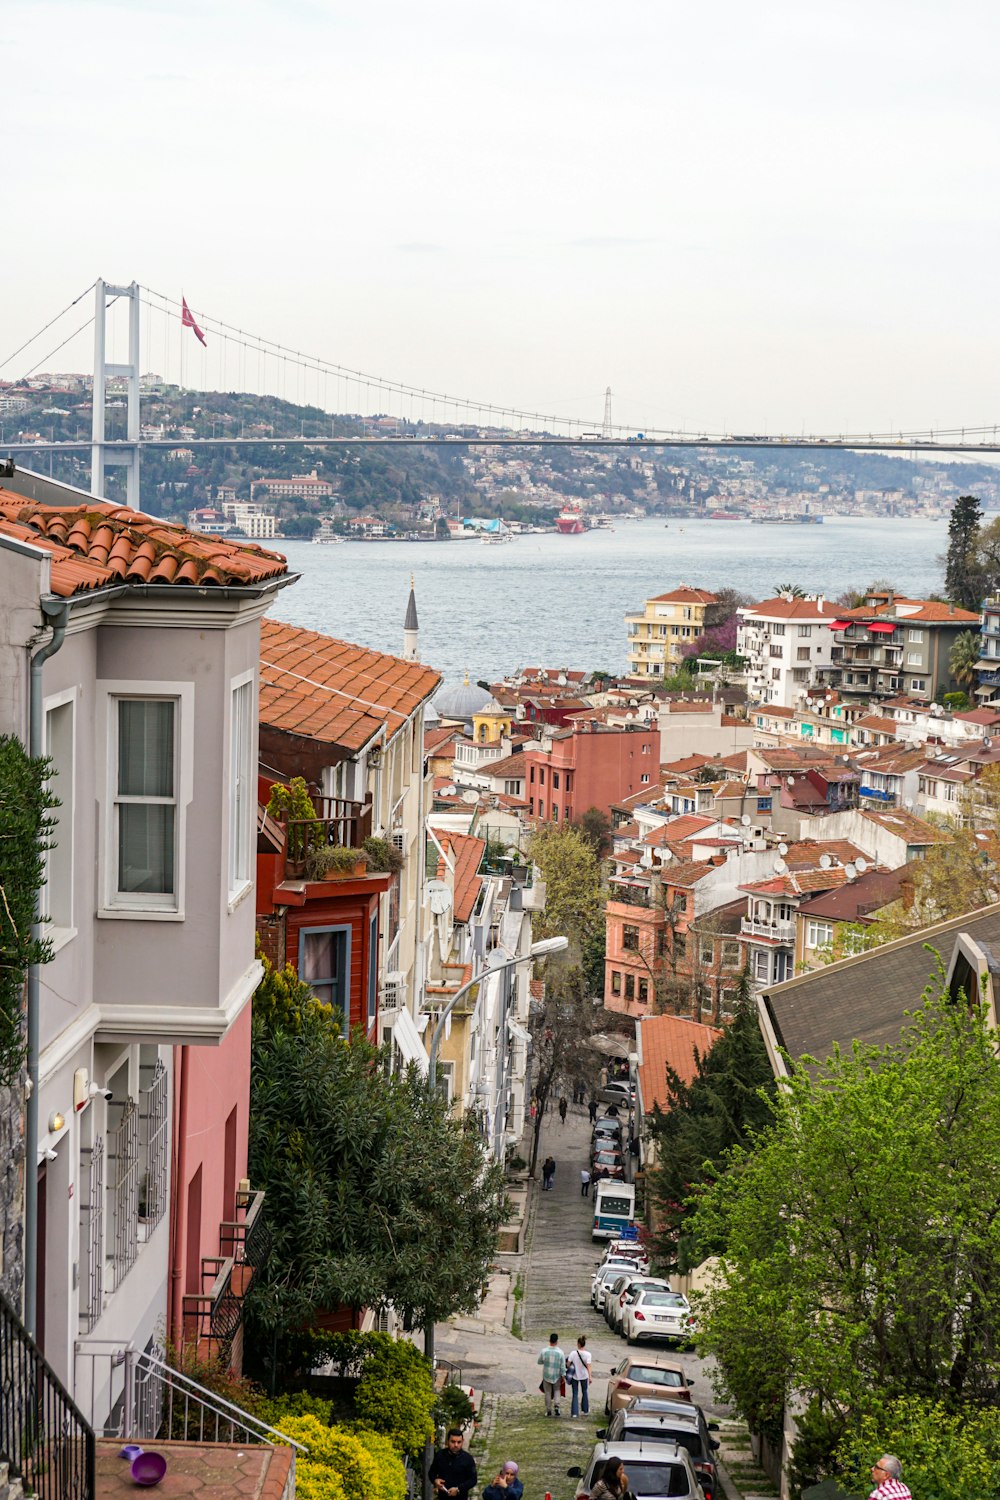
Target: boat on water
x=805, y=518
x=569, y=521
x=326, y=536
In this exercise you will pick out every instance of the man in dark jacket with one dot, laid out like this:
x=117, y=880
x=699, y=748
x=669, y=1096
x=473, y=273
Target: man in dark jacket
x=453, y=1472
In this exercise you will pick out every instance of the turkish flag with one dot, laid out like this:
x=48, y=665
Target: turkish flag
x=187, y=321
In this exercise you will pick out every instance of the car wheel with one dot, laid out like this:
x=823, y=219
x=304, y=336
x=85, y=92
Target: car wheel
x=630, y=1341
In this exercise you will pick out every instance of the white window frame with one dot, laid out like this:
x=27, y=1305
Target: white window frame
x=914, y=659
x=241, y=854
x=916, y=636
x=60, y=933
x=818, y=933
x=142, y=907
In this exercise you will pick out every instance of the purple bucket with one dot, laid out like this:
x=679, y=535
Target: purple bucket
x=130, y=1451
x=148, y=1468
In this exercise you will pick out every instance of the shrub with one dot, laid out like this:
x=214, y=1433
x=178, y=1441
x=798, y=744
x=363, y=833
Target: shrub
x=382, y=855
x=391, y=1483
x=453, y=1407
x=334, y=1453
x=297, y=1404
x=395, y=1396
x=332, y=859
x=947, y=1453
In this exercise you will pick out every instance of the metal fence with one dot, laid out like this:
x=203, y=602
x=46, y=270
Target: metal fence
x=44, y=1439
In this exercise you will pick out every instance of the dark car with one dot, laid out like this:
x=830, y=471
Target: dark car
x=607, y=1129
x=651, y=1421
x=611, y=1162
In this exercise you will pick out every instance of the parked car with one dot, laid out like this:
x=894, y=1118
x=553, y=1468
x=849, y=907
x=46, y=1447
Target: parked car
x=631, y=1250
x=610, y=1125
x=657, y=1313
x=601, y=1280
x=660, y=1471
x=611, y=1162
x=669, y=1422
x=632, y=1284
x=621, y=1095
x=637, y=1375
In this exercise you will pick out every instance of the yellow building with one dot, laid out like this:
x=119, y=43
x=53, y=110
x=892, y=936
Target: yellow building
x=659, y=636
x=490, y=723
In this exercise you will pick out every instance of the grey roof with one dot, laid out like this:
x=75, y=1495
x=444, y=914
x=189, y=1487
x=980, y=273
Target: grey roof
x=410, y=623
x=460, y=701
x=865, y=998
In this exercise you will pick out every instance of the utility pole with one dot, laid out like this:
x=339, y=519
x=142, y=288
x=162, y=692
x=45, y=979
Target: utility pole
x=127, y=453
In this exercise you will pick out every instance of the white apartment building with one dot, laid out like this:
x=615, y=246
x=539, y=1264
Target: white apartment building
x=788, y=646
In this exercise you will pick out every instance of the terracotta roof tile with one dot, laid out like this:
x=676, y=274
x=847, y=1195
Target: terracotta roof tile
x=904, y=611
x=669, y=1041
x=684, y=595
x=791, y=609
x=468, y=854
x=96, y=545
x=333, y=691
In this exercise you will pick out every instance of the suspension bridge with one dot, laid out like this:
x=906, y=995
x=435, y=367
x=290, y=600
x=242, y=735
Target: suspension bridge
x=132, y=322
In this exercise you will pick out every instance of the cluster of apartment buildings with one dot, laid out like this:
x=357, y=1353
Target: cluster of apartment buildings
x=138, y=656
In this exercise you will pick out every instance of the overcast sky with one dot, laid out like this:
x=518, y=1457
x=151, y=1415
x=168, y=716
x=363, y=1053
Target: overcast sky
x=769, y=217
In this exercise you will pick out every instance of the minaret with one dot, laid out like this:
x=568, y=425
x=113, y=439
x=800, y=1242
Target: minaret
x=411, y=628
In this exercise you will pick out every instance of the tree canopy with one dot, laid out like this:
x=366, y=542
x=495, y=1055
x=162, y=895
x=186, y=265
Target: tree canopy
x=963, y=581
x=861, y=1231
x=574, y=906
x=374, y=1194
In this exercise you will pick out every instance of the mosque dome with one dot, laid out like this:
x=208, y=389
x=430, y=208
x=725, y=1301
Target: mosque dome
x=461, y=701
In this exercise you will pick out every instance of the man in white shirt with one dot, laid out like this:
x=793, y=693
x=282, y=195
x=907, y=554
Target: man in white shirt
x=579, y=1375
x=584, y=1183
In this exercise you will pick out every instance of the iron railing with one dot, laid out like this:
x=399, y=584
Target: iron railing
x=215, y=1313
x=92, y=1236
x=338, y=821
x=123, y=1163
x=44, y=1439
x=154, y=1142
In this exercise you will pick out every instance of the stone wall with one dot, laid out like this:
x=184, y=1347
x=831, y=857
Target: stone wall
x=12, y=1194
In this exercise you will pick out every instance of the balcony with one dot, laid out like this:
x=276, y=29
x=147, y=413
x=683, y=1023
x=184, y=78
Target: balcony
x=337, y=822
x=782, y=931
x=213, y=1317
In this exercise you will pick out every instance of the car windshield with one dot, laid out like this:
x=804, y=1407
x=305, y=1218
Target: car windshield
x=663, y=1299
x=655, y=1375
x=615, y=1205
x=650, y=1478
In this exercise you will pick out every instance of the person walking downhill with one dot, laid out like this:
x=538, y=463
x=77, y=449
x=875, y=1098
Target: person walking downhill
x=579, y=1375
x=553, y=1363
x=592, y=1110
x=548, y=1172
x=563, y=1107
x=584, y=1182
x=888, y=1477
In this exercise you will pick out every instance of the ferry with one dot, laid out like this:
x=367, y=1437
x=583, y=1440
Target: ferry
x=326, y=534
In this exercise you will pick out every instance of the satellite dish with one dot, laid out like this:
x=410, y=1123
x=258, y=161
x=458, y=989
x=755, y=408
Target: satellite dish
x=449, y=790
x=825, y=861
x=987, y=742
x=438, y=897
x=470, y=795
x=745, y=820
x=780, y=867
x=666, y=855
x=789, y=780
x=561, y=679
x=908, y=803
x=851, y=872
x=861, y=865
x=936, y=708
x=782, y=850
x=845, y=759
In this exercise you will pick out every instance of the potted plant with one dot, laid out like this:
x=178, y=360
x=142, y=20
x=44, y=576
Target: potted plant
x=383, y=856
x=293, y=807
x=334, y=862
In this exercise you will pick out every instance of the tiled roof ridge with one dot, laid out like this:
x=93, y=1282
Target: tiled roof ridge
x=269, y=627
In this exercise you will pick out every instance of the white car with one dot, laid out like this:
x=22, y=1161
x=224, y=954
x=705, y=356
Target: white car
x=657, y=1314
x=614, y=1309
x=603, y=1279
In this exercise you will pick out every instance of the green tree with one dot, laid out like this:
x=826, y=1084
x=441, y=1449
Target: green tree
x=963, y=578
x=374, y=1194
x=723, y=1106
x=792, y=590
x=26, y=806
x=963, y=660
x=860, y=1233
x=574, y=906
x=561, y=1026
x=595, y=825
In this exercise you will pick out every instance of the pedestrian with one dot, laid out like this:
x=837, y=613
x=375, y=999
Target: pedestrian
x=563, y=1107
x=553, y=1363
x=579, y=1374
x=612, y=1481
x=453, y=1472
x=506, y=1486
x=888, y=1477
x=584, y=1183
x=548, y=1172
x=592, y=1108
x=533, y=1107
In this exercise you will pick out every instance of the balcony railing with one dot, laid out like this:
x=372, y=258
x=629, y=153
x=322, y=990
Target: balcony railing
x=779, y=931
x=45, y=1441
x=212, y=1317
x=337, y=822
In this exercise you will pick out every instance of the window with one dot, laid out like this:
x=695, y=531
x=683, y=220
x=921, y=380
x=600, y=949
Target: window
x=804, y=631
x=775, y=674
x=512, y=788
x=541, y=775
x=778, y=629
x=914, y=658
x=531, y=806
x=616, y=982
x=555, y=813
x=680, y=944
x=730, y=955
x=629, y=986
x=761, y=966
x=706, y=952
x=145, y=802
x=325, y=965
x=372, y=969
x=643, y=991
x=242, y=791
x=918, y=684
x=644, y=778
x=927, y=787
x=569, y=778
x=802, y=653
x=630, y=938
x=662, y=944
x=915, y=636
x=555, y=780
x=531, y=775
x=57, y=894
x=818, y=934
x=686, y=612
x=541, y=808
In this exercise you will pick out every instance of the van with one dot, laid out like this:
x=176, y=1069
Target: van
x=614, y=1208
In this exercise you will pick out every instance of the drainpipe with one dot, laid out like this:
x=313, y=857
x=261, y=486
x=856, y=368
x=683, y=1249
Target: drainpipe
x=58, y=613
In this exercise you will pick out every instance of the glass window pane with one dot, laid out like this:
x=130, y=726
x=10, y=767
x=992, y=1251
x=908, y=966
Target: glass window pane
x=318, y=956
x=145, y=748
x=146, y=848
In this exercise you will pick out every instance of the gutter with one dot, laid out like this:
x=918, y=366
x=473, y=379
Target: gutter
x=58, y=613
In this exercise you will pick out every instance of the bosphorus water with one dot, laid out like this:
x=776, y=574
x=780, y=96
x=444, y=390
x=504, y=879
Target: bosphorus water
x=559, y=601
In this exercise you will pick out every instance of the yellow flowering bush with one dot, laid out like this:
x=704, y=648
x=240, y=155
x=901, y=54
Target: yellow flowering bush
x=338, y=1466
x=946, y=1453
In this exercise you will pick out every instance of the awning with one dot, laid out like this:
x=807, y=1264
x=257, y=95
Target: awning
x=878, y=628
x=840, y=624
x=407, y=1039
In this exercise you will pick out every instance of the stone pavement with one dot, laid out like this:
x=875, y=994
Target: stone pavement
x=547, y=1290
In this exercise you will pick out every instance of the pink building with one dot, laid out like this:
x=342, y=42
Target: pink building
x=589, y=765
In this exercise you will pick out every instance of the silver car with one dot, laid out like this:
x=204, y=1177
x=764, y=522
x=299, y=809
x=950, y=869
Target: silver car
x=656, y=1471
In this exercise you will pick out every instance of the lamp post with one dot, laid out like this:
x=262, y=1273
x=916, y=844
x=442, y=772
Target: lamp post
x=542, y=949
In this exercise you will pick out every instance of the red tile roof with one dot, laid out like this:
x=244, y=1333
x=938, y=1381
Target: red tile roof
x=791, y=609
x=467, y=852
x=905, y=611
x=97, y=545
x=684, y=595
x=669, y=1041
x=333, y=691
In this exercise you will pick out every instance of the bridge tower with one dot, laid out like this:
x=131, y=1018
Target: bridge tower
x=606, y=425
x=127, y=453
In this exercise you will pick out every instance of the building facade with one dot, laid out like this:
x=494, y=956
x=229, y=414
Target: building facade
x=589, y=765
x=788, y=647
x=894, y=645
x=661, y=633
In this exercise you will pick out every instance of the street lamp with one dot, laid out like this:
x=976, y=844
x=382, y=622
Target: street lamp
x=542, y=949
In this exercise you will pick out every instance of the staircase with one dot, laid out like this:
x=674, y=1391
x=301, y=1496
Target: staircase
x=46, y=1446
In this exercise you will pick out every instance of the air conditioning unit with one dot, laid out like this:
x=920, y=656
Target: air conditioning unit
x=398, y=840
x=393, y=993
